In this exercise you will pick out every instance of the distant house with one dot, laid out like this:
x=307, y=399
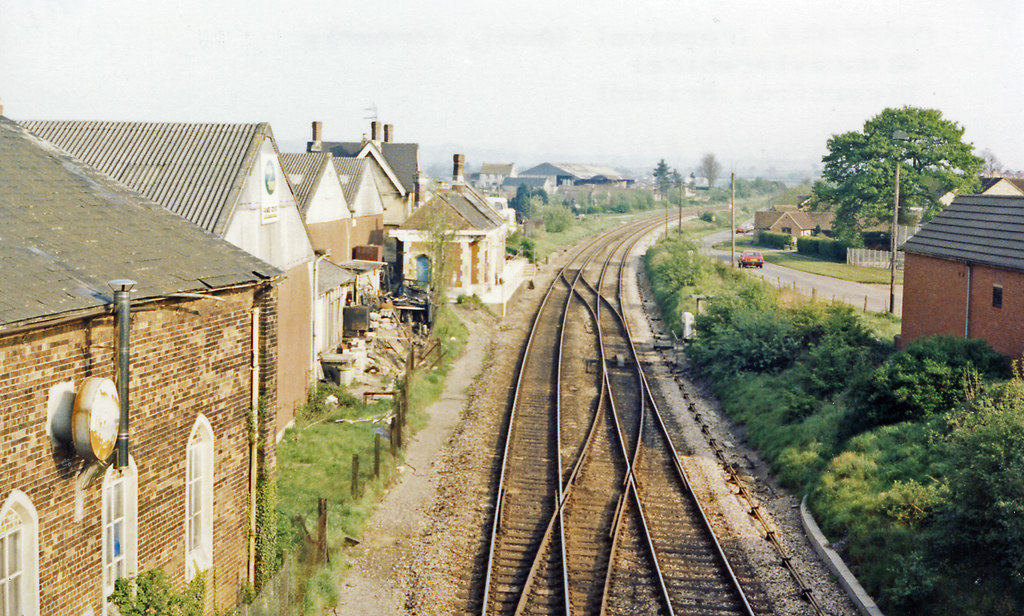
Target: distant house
x=547, y=183
x=792, y=221
x=228, y=180
x=964, y=274
x=201, y=352
x=1010, y=187
x=575, y=174
x=478, y=260
x=492, y=175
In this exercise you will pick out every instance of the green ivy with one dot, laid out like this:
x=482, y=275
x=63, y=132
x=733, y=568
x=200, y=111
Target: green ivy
x=150, y=593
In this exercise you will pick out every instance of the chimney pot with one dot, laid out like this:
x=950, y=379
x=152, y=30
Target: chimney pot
x=389, y=133
x=459, y=161
x=375, y=130
x=318, y=131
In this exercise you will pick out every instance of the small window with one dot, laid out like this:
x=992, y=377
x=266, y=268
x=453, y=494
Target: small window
x=787, y=230
x=997, y=296
x=199, y=498
x=120, y=511
x=19, y=557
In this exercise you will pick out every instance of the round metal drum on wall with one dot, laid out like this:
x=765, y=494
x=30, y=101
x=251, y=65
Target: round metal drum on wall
x=95, y=418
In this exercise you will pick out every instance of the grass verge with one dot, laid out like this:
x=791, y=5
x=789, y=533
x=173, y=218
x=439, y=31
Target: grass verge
x=842, y=271
x=315, y=457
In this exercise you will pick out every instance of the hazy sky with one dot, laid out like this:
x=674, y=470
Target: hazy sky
x=619, y=82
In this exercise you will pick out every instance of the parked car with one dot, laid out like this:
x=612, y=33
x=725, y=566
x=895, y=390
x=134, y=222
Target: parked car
x=751, y=258
x=740, y=230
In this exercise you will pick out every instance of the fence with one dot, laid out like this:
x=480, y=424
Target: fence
x=872, y=258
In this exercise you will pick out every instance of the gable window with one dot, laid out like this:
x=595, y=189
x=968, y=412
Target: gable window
x=19, y=557
x=120, y=526
x=199, y=498
x=787, y=230
x=997, y=296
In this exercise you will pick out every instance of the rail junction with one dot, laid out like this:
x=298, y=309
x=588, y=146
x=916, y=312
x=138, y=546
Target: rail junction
x=593, y=512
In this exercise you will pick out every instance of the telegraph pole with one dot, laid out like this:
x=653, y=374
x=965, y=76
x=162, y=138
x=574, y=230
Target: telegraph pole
x=892, y=252
x=680, y=205
x=732, y=225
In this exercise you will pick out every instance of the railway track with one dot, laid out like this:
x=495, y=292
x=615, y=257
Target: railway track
x=593, y=513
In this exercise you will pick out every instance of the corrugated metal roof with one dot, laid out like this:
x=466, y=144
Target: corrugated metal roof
x=350, y=174
x=69, y=229
x=331, y=276
x=497, y=168
x=304, y=171
x=579, y=171
x=981, y=229
x=194, y=170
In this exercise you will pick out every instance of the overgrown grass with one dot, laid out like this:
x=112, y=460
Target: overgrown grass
x=314, y=460
x=842, y=271
x=911, y=459
x=546, y=243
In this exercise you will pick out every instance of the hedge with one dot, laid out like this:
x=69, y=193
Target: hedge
x=821, y=247
x=774, y=240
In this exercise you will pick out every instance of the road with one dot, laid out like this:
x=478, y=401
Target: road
x=853, y=293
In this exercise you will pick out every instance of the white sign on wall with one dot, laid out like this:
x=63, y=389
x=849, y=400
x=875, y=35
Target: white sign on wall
x=270, y=189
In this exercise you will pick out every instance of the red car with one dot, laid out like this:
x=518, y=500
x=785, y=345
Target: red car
x=751, y=258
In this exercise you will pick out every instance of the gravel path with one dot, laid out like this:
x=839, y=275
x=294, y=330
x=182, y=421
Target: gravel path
x=424, y=550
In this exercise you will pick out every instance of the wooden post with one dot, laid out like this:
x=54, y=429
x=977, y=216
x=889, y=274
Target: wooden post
x=732, y=225
x=322, y=554
x=814, y=294
x=376, y=454
x=865, y=303
x=393, y=438
x=355, y=476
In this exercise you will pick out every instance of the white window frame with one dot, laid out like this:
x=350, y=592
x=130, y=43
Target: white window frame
x=18, y=517
x=128, y=516
x=199, y=489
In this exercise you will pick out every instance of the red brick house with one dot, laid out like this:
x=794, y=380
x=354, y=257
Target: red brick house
x=202, y=349
x=964, y=274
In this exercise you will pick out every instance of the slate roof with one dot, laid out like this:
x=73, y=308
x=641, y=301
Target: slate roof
x=350, y=172
x=304, y=171
x=403, y=158
x=980, y=229
x=194, y=170
x=463, y=209
x=331, y=276
x=533, y=181
x=987, y=183
x=69, y=229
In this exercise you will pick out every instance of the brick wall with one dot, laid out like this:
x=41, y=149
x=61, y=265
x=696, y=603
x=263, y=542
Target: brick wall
x=187, y=357
x=935, y=302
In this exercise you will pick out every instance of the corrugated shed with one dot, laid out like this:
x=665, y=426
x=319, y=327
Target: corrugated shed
x=981, y=229
x=578, y=171
x=69, y=229
x=193, y=170
x=304, y=171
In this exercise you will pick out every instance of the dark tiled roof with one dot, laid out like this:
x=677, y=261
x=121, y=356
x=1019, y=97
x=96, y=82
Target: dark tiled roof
x=462, y=208
x=981, y=229
x=331, y=276
x=69, y=229
x=304, y=171
x=194, y=170
x=403, y=158
x=538, y=181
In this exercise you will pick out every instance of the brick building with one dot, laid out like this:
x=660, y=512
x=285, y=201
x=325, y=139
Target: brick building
x=227, y=179
x=202, y=349
x=964, y=274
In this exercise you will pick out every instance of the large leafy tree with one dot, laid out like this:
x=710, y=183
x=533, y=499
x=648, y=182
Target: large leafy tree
x=710, y=168
x=859, y=175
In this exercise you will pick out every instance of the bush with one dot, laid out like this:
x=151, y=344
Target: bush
x=708, y=217
x=932, y=375
x=517, y=243
x=774, y=240
x=821, y=247
x=557, y=218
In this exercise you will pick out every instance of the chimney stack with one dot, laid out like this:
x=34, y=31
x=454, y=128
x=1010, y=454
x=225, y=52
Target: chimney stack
x=1, y=106
x=459, y=163
x=375, y=130
x=318, y=131
x=389, y=133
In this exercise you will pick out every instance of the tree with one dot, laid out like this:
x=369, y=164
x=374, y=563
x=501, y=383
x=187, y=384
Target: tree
x=710, y=169
x=992, y=168
x=860, y=167
x=527, y=199
x=663, y=178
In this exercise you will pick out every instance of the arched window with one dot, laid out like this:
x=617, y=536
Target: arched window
x=120, y=526
x=19, y=556
x=423, y=269
x=199, y=498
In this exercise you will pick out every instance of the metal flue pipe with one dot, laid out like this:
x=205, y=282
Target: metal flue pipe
x=123, y=307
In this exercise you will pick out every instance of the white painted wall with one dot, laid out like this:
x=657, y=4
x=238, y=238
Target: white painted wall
x=284, y=243
x=328, y=202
